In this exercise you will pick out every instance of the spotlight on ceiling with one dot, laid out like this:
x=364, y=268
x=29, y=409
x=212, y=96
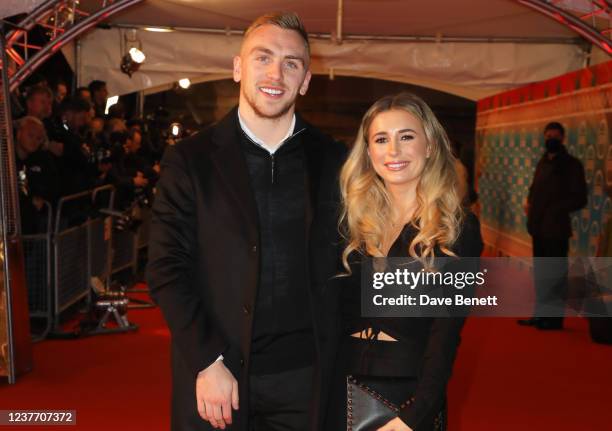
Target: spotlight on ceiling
x=184, y=83
x=137, y=55
x=131, y=61
x=159, y=29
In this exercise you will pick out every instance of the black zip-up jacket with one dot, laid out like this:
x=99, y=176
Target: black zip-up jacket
x=282, y=331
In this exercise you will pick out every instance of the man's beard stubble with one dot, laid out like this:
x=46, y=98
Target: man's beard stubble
x=274, y=116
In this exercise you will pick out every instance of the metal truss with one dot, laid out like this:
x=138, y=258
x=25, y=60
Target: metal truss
x=591, y=19
x=63, y=21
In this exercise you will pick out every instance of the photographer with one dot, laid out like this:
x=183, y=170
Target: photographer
x=134, y=175
x=77, y=173
x=38, y=176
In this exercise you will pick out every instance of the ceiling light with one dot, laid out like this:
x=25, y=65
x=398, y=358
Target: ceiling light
x=159, y=29
x=137, y=55
x=131, y=61
x=184, y=83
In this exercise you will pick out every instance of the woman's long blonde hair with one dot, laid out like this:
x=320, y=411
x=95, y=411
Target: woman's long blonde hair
x=366, y=210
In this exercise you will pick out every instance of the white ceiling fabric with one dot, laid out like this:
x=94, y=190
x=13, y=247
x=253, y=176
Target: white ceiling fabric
x=469, y=69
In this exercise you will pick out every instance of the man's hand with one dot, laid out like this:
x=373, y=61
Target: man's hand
x=395, y=425
x=216, y=394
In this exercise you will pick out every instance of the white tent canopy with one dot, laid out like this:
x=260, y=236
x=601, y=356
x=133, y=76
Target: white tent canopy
x=471, y=48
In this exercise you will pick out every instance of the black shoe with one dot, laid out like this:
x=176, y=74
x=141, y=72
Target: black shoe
x=529, y=322
x=549, y=325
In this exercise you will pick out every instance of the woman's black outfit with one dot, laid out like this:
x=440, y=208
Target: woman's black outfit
x=421, y=358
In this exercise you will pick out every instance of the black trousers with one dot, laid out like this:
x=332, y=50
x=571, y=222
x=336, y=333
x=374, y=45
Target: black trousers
x=281, y=401
x=550, y=277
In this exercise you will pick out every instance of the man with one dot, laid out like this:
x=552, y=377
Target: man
x=59, y=94
x=98, y=94
x=61, y=91
x=76, y=171
x=558, y=188
x=39, y=102
x=134, y=173
x=38, y=174
x=85, y=94
x=242, y=243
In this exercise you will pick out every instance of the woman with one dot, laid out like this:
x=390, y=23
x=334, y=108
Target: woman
x=401, y=198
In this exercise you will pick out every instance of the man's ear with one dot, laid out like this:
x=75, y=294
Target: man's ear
x=304, y=86
x=237, y=68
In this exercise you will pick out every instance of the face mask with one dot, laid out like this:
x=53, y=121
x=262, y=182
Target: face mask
x=553, y=145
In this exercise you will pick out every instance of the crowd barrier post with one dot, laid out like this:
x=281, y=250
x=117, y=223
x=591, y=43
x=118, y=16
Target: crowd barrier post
x=38, y=268
x=70, y=255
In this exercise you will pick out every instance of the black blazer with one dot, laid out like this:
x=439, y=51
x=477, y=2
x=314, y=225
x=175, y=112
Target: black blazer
x=204, y=253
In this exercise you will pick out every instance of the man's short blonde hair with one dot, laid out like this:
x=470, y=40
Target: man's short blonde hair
x=284, y=20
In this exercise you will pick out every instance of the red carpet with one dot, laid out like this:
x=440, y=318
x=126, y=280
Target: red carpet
x=114, y=382
x=507, y=378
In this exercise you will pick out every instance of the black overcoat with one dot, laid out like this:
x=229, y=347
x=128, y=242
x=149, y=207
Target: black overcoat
x=204, y=255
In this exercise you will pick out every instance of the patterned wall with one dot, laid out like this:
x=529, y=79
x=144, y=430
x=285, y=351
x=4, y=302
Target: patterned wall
x=510, y=142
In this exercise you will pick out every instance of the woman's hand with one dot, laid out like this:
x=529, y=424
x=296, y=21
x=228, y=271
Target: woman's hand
x=395, y=425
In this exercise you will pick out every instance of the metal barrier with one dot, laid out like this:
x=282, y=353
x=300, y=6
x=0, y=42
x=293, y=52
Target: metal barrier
x=103, y=197
x=81, y=250
x=99, y=249
x=70, y=245
x=127, y=243
x=142, y=241
x=37, y=262
x=100, y=237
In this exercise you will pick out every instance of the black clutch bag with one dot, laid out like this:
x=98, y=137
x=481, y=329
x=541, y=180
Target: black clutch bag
x=371, y=402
